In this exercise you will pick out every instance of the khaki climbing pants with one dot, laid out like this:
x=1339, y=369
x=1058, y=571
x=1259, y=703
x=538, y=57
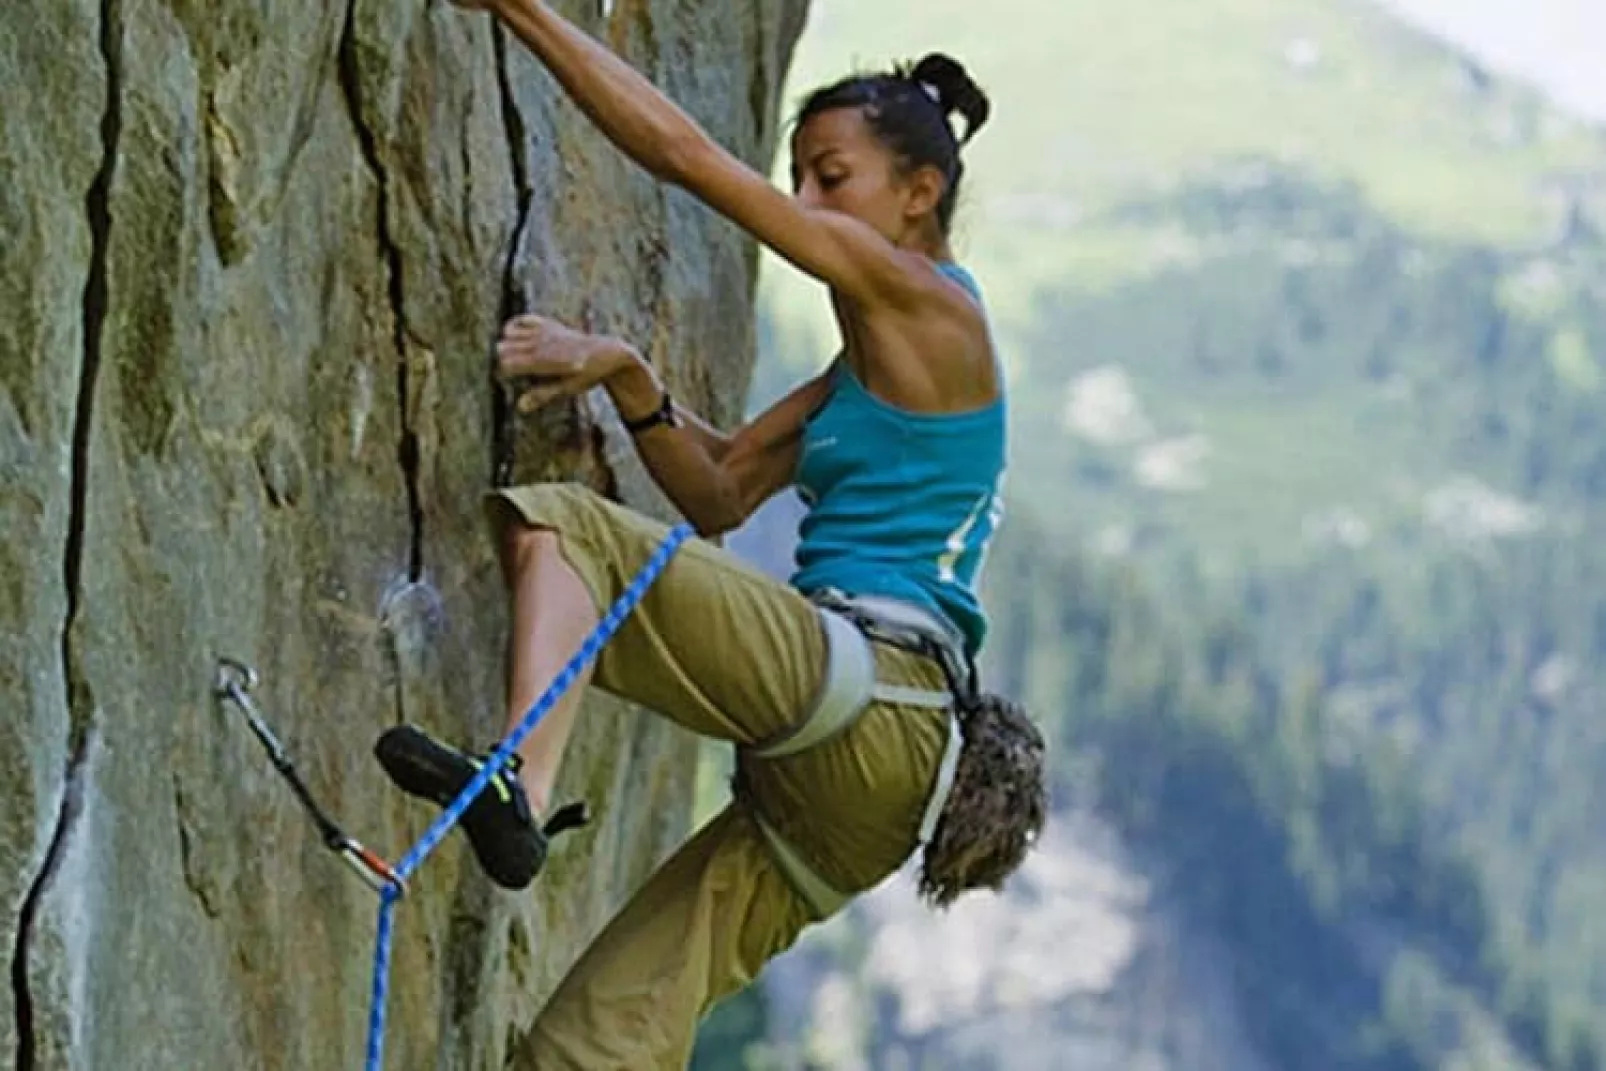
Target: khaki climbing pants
x=732, y=654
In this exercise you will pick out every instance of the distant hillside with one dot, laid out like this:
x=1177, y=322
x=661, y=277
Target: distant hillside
x=1306, y=374
x=1100, y=104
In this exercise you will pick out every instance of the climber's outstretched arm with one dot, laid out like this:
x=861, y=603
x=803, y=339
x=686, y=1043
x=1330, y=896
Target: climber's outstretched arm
x=844, y=252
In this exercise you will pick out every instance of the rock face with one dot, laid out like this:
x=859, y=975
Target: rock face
x=255, y=259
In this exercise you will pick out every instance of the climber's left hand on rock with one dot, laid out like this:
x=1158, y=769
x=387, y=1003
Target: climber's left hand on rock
x=560, y=360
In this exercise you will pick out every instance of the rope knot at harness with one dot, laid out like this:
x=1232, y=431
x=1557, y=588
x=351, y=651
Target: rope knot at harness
x=235, y=680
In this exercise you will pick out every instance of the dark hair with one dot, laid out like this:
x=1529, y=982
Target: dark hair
x=908, y=109
x=996, y=807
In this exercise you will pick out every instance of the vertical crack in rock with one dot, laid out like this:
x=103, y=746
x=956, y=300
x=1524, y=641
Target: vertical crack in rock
x=502, y=426
x=97, y=209
x=408, y=452
x=66, y=817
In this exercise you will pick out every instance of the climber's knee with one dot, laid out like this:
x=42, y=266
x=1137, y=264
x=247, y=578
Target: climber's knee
x=525, y=543
x=569, y=508
x=519, y=543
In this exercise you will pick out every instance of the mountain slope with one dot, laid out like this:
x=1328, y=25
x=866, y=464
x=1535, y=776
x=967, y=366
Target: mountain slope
x=1097, y=104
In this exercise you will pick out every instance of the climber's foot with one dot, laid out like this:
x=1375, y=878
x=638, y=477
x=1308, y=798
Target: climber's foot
x=510, y=846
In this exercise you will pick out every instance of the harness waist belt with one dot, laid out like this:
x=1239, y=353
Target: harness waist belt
x=849, y=687
x=911, y=627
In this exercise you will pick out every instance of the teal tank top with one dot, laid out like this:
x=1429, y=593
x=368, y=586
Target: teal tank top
x=901, y=504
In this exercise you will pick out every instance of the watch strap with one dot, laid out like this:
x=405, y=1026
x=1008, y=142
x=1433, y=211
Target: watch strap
x=664, y=414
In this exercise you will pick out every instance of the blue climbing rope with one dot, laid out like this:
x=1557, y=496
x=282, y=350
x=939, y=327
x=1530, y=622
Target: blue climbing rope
x=376, y=1005
x=588, y=651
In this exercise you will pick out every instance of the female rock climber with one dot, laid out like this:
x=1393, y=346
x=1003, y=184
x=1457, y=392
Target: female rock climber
x=898, y=449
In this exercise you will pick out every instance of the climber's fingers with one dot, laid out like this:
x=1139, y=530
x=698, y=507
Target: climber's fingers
x=537, y=346
x=559, y=359
x=544, y=394
x=524, y=360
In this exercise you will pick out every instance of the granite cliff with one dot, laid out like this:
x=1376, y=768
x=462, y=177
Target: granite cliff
x=256, y=258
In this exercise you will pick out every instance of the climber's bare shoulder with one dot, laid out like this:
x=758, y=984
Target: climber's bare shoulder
x=933, y=354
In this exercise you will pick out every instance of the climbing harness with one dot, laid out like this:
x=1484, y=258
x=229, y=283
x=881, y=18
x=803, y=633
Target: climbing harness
x=235, y=680
x=851, y=623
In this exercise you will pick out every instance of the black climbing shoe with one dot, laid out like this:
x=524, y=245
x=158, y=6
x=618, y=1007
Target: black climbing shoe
x=510, y=847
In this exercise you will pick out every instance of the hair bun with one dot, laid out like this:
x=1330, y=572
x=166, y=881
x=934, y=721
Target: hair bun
x=956, y=90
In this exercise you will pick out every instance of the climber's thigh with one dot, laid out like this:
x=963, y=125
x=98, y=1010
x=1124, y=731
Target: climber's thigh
x=701, y=928
x=714, y=644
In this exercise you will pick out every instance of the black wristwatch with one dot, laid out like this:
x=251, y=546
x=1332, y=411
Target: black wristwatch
x=664, y=414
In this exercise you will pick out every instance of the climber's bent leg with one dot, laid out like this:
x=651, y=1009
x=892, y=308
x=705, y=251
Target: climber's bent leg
x=714, y=644
x=551, y=615
x=702, y=927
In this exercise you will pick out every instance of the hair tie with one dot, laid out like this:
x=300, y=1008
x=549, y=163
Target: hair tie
x=931, y=91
